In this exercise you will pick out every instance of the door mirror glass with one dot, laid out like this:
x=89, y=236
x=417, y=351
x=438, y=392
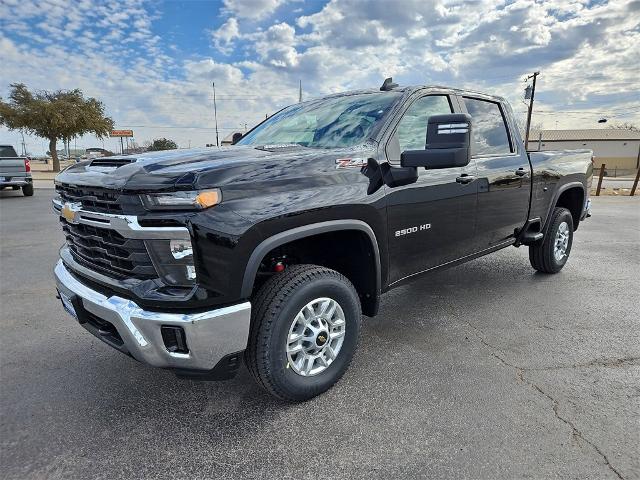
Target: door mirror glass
x=237, y=136
x=447, y=143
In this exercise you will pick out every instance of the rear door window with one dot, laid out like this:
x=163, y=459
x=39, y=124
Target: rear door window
x=490, y=133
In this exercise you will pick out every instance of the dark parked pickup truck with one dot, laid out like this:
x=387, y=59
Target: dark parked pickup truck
x=270, y=250
x=15, y=171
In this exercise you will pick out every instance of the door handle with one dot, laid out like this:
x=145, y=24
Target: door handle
x=521, y=172
x=465, y=178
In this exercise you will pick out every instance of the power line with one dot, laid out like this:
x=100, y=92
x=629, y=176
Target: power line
x=177, y=127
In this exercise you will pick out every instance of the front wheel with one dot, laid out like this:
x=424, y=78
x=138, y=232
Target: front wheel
x=550, y=255
x=304, y=331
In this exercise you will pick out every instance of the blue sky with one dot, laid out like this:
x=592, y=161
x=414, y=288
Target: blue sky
x=152, y=63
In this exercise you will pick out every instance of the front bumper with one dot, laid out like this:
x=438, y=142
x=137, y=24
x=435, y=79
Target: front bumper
x=214, y=338
x=586, y=211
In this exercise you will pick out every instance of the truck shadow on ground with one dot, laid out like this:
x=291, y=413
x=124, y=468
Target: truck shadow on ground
x=8, y=194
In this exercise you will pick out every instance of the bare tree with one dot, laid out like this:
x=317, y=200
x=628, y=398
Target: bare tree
x=625, y=126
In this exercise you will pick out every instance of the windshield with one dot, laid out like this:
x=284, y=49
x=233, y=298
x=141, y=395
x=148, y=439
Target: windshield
x=327, y=123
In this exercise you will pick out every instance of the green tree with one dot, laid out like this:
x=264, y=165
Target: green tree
x=162, y=144
x=59, y=115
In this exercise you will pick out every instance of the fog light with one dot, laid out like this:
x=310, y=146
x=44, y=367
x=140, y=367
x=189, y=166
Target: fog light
x=173, y=260
x=180, y=249
x=191, y=272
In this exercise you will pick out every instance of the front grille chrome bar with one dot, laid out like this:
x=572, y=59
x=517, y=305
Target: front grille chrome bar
x=125, y=225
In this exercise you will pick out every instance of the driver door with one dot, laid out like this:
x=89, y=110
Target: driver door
x=432, y=221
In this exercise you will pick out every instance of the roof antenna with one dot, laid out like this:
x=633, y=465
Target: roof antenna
x=388, y=85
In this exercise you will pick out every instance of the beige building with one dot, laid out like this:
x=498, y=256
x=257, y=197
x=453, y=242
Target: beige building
x=618, y=149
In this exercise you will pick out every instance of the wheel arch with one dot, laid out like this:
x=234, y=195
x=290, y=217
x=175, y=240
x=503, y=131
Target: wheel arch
x=369, y=302
x=570, y=196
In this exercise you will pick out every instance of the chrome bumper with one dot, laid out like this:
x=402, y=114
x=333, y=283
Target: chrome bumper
x=16, y=182
x=210, y=335
x=586, y=212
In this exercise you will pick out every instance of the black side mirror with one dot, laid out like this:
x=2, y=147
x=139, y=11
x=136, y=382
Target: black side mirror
x=236, y=138
x=448, y=143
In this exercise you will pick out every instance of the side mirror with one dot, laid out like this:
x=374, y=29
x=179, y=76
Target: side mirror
x=448, y=143
x=236, y=138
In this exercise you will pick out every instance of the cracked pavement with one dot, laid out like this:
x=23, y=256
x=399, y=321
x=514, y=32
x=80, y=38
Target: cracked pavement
x=483, y=371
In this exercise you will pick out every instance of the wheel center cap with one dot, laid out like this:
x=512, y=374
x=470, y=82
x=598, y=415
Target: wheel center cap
x=321, y=339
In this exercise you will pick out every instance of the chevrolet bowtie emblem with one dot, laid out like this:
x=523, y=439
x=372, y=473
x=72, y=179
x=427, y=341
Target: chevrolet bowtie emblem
x=69, y=212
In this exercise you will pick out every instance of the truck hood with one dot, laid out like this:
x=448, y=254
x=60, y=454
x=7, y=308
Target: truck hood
x=200, y=168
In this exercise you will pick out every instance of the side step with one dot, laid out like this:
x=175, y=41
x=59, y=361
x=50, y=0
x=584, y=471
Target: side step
x=530, y=233
x=531, y=237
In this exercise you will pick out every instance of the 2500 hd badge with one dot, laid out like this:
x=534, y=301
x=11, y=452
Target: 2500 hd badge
x=407, y=231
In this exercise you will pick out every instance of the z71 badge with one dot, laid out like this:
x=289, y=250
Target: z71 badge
x=407, y=231
x=350, y=162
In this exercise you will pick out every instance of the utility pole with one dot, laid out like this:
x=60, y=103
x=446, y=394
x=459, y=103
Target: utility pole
x=300, y=93
x=533, y=93
x=215, y=112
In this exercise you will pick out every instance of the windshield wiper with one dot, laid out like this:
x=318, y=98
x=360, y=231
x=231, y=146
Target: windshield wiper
x=278, y=146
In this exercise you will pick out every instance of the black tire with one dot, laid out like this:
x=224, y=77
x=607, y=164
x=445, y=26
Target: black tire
x=27, y=190
x=541, y=255
x=274, y=308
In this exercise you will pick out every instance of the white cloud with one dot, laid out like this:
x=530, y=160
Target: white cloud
x=276, y=46
x=224, y=37
x=252, y=9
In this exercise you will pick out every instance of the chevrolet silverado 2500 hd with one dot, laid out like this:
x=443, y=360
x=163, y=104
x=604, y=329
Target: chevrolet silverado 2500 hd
x=270, y=250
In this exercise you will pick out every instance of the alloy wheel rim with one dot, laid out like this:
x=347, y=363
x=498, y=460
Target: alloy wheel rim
x=561, y=242
x=315, y=337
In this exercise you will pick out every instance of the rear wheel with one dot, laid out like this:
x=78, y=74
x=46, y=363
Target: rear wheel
x=27, y=190
x=304, y=331
x=550, y=255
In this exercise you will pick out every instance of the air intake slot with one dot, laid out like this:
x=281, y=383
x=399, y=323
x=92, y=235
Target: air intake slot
x=174, y=339
x=112, y=162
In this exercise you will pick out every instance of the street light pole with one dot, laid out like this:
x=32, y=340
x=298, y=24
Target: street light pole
x=533, y=92
x=24, y=145
x=215, y=111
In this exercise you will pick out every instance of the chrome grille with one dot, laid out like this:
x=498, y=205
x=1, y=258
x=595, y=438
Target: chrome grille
x=107, y=252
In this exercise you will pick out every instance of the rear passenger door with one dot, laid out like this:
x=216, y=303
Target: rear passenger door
x=503, y=173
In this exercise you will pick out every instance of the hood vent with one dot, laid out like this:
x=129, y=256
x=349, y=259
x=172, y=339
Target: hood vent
x=111, y=162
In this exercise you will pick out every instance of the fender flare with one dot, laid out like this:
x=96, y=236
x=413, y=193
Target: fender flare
x=559, y=191
x=287, y=236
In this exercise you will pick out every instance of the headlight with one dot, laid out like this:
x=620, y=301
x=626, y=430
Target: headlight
x=182, y=200
x=173, y=260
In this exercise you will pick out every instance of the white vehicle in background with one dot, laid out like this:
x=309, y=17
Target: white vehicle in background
x=15, y=171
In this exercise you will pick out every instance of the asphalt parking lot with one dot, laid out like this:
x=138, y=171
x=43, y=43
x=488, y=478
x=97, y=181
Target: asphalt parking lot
x=484, y=371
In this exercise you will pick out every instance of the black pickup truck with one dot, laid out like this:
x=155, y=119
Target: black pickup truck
x=271, y=250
